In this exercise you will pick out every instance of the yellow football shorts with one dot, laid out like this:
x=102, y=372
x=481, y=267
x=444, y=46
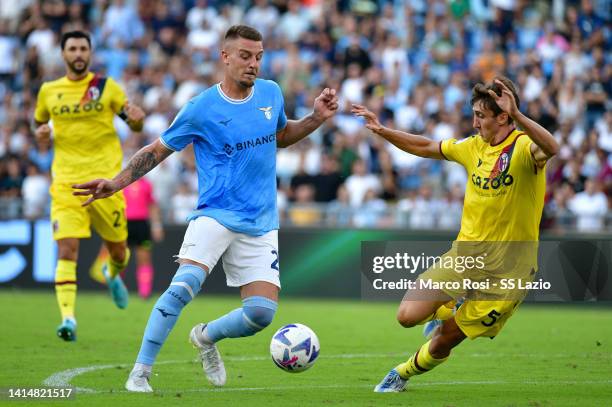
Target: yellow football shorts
x=478, y=318
x=488, y=303
x=71, y=220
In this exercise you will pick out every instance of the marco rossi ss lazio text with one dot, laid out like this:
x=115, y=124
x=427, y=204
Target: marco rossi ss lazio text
x=464, y=284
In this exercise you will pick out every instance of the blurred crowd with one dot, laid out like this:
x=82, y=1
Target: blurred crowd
x=413, y=62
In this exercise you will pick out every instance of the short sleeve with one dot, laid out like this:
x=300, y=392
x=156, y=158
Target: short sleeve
x=118, y=97
x=181, y=130
x=457, y=150
x=282, y=117
x=523, y=150
x=41, y=114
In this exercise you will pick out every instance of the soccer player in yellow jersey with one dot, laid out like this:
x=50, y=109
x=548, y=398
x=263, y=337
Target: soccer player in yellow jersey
x=81, y=107
x=503, y=204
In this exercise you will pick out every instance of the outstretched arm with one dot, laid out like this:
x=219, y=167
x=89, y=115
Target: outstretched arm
x=544, y=144
x=411, y=143
x=325, y=106
x=141, y=163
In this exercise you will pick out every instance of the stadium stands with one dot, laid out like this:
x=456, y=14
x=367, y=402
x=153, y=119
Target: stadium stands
x=413, y=62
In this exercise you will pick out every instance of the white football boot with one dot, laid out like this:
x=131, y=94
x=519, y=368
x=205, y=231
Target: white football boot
x=138, y=381
x=213, y=366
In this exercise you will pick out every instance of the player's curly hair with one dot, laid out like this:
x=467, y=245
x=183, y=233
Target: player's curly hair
x=243, y=31
x=480, y=92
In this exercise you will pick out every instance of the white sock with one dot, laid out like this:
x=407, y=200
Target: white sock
x=202, y=336
x=143, y=367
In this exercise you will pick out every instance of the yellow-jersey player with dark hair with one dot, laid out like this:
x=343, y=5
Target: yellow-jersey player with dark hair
x=501, y=216
x=81, y=107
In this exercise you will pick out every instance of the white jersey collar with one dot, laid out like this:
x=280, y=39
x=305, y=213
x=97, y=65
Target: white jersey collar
x=235, y=101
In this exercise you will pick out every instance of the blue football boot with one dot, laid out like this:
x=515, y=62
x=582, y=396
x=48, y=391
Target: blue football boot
x=117, y=289
x=392, y=383
x=67, y=330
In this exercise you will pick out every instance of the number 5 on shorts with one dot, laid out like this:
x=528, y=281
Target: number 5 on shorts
x=493, y=315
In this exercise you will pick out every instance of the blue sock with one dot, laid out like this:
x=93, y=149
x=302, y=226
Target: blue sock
x=183, y=288
x=256, y=314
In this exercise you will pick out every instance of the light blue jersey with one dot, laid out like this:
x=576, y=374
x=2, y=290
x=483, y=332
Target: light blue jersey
x=234, y=142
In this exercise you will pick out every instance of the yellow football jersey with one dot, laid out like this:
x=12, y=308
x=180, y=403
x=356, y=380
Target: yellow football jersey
x=85, y=140
x=504, y=197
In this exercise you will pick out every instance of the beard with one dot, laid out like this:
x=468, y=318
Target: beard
x=73, y=66
x=246, y=84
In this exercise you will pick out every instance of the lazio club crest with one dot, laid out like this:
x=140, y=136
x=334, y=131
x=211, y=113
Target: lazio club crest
x=267, y=112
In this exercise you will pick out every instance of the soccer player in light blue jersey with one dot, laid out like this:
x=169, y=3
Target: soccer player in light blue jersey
x=235, y=127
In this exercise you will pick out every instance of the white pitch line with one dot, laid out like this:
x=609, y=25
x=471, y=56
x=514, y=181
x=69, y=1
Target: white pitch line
x=354, y=386
x=540, y=355
x=360, y=386
x=63, y=378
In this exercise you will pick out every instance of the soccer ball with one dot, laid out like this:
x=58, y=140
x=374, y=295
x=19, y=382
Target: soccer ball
x=294, y=348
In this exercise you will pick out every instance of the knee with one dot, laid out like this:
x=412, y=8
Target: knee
x=406, y=318
x=190, y=278
x=187, y=262
x=259, y=312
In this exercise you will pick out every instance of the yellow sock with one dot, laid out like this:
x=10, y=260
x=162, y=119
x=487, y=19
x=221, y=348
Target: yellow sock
x=115, y=268
x=445, y=311
x=419, y=363
x=65, y=287
x=95, y=271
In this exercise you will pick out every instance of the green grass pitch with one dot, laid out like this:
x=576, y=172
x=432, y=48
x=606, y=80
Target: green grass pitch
x=547, y=355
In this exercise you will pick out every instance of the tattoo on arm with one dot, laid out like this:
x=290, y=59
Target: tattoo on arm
x=141, y=164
